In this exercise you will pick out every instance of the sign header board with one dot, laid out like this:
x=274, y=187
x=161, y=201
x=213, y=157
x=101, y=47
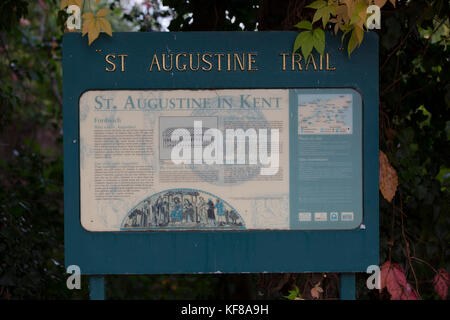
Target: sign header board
x=155, y=163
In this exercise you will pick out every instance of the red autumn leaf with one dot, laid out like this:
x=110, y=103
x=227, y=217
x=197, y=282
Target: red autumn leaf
x=441, y=283
x=409, y=293
x=394, y=279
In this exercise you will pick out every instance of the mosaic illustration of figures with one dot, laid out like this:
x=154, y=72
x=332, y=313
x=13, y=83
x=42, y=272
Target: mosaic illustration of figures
x=183, y=209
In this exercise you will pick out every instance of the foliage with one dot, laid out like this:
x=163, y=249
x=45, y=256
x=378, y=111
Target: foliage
x=348, y=16
x=309, y=39
x=414, y=136
x=14, y=10
x=231, y=15
x=93, y=24
x=294, y=294
x=388, y=178
x=31, y=218
x=394, y=279
x=441, y=283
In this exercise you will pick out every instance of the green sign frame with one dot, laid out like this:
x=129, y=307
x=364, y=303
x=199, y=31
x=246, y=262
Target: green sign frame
x=132, y=252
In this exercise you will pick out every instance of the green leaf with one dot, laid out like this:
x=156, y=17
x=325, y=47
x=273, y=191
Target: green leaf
x=352, y=43
x=359, y=33
x=319, y=40
x=345, y=30
x=324, y=14
x=360, y=6
x=317, y=4
x=294, y=294
x=355, y=19
x=307, y=44
x=305, y=41
x=301, y=38
x=305, y=24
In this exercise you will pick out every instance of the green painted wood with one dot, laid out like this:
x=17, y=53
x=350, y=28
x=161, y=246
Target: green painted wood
x=96, y=288
x=347, y=286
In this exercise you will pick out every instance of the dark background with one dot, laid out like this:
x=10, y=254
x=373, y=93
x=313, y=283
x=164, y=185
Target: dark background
x=414, y=134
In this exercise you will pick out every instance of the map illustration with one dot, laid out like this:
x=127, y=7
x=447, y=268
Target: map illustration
x=325, y=114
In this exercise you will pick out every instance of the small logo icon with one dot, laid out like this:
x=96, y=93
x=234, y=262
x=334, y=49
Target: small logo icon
x=334, y=216
x=347, y=216
x=304, y=216
x=320, y=216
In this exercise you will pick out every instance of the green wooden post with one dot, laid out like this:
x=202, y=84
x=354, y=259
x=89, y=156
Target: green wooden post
x=97, y=288
x=347, y=286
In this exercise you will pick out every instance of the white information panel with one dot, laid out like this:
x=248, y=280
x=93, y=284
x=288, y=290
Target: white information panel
x=184, y=159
